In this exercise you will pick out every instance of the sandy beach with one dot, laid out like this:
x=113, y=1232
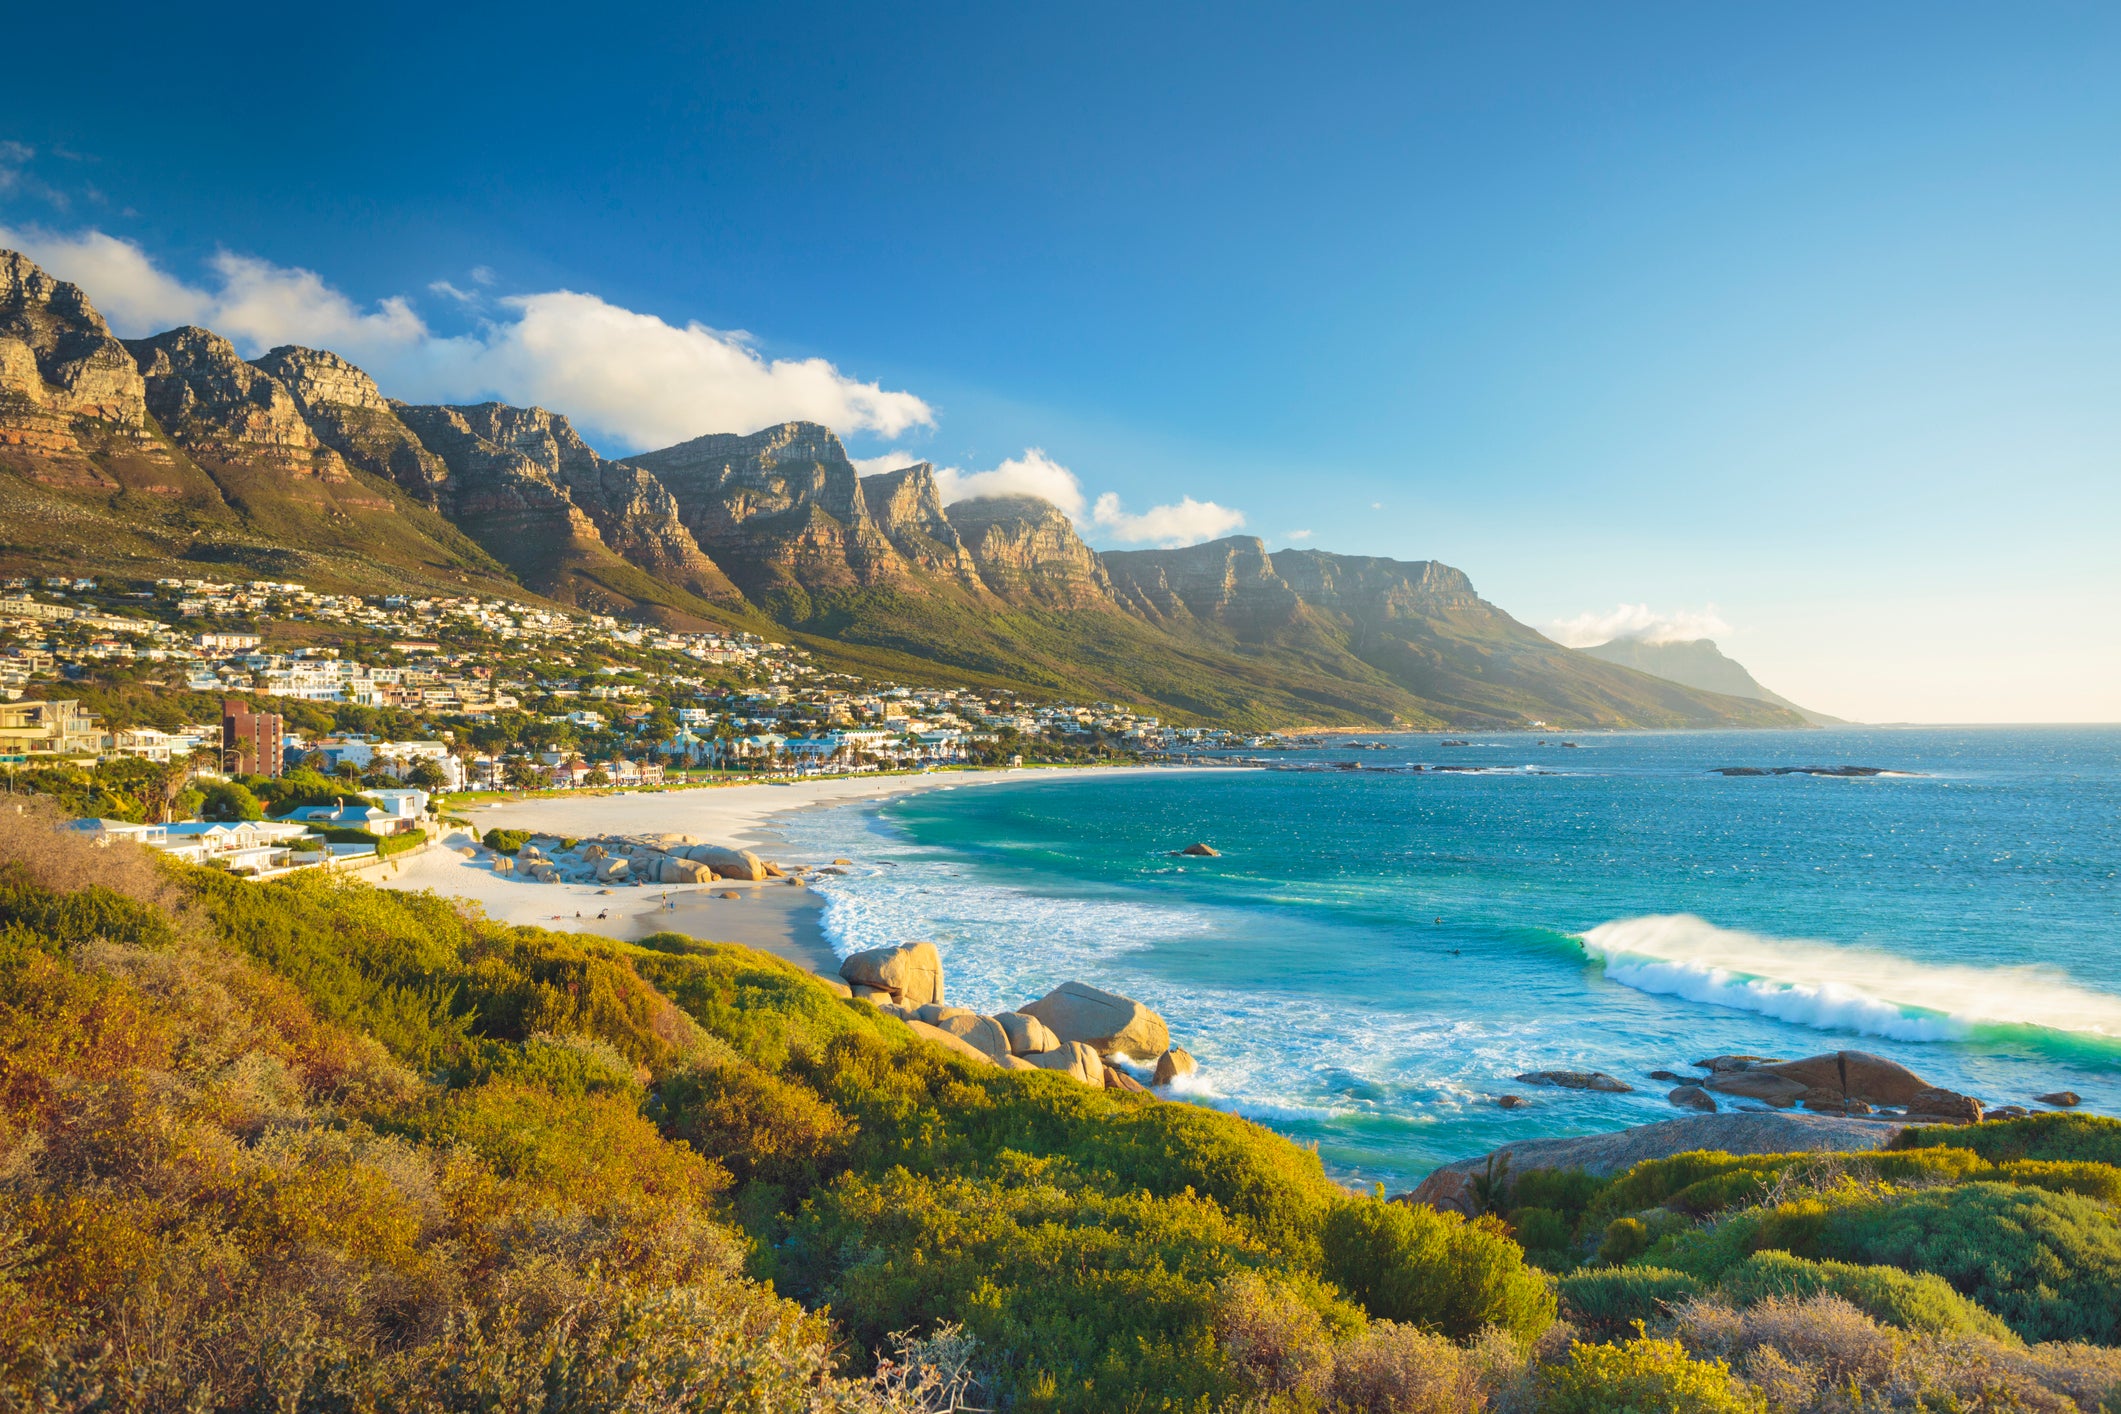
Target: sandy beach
x=778, y=916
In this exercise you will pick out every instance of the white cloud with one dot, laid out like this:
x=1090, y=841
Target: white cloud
x=449, y=291
x=1637, y=621
x=1032, y=474
x=1185, y=523
x=631, y=379
x=889, y=461
x=1300, y=534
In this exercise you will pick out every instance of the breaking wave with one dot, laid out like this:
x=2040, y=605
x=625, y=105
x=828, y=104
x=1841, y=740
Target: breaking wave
x=1845, y=989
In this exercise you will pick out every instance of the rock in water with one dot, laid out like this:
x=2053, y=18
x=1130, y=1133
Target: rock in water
x=1028, y=1036
x=1075, y=1059
x=1200, y=850
x=1172, y=1064
x=1509, y=1102
x=1777, y=1090
x=1576, y=1080
x=2064, y=1098
x=1104, y=1020
x=912, y=972
x=1692, y=1097
x=1117, y=1079
x=1603, y=1155
x=1947, y=1105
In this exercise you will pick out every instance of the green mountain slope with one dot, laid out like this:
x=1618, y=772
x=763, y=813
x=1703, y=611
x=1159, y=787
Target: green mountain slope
x=1698, y=662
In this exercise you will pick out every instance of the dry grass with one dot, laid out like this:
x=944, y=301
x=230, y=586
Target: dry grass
x=1822, y=1355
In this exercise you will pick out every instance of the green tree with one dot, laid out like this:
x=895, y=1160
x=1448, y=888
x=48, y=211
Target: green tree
x=230, y=800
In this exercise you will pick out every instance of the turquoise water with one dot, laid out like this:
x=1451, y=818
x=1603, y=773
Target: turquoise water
x=1379, y=951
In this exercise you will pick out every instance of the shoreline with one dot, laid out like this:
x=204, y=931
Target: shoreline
x=779, y=916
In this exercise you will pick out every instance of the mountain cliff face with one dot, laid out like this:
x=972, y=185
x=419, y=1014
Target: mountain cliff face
x=173, y=452
x=1027, y=552
x=1232, y=582
x=72, y=401
x=908, y=509
x=782, y=511
x=350, y=415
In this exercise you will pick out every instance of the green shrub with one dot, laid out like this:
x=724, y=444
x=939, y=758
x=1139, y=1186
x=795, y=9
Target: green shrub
x=1913, y=1301
x=1542, y=1230
x=1431, y=1269
x=1611, y=1300
x=1643, y=1376
x=2048, y=1263
x=2055, y=1138
x=1650, y=1183
x=1625, y=1240
x=1565, y=1191
x=2094, y=1180
x=505, y=841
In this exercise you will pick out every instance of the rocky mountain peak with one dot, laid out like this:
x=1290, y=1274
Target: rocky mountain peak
x=316, y=378
x=908, y=509
x=204, y=394
x=546, y=438
x=81, y=371
x=1026, y=550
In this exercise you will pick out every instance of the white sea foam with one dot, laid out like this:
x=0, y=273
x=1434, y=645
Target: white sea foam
x=1841, y=988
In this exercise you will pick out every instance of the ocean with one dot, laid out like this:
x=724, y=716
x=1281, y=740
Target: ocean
x=1379, y=950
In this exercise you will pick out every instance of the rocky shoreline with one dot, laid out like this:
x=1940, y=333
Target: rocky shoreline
x=1854, y=1100
x=1075, y=1030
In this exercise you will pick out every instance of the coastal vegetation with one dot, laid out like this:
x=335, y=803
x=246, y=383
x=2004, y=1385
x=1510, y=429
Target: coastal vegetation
x=316, y=1145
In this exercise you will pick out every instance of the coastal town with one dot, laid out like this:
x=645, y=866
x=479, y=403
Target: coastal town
x=399, y=702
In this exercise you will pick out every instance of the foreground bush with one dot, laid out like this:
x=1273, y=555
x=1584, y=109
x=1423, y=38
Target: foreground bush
x=1434, y=1270
x=1644, y=1376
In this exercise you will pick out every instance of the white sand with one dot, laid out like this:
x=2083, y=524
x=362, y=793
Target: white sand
x=775, y=916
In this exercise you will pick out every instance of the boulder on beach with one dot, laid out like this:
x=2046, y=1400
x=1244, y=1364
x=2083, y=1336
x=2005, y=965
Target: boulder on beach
x=835, y=986
x=949, y=1042
x=729, y=863
x=1173, y=1063
x=502, y=864
x=611, y=867
x=594, y=851
x=1028, y=1036
x=1576, y=1080
x=983, y=1033
x=1073, y=1058
x=1450, y=1188
x=911, y=972
x=1104, y=1020
x=1693, y=1097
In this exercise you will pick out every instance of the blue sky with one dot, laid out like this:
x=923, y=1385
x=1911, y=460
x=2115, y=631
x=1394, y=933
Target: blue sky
x=1802, y=323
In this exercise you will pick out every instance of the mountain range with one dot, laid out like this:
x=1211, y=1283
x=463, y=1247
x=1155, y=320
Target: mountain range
x=174, y=454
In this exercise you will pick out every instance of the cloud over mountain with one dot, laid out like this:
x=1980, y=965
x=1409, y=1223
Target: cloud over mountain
x=1637, y=621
